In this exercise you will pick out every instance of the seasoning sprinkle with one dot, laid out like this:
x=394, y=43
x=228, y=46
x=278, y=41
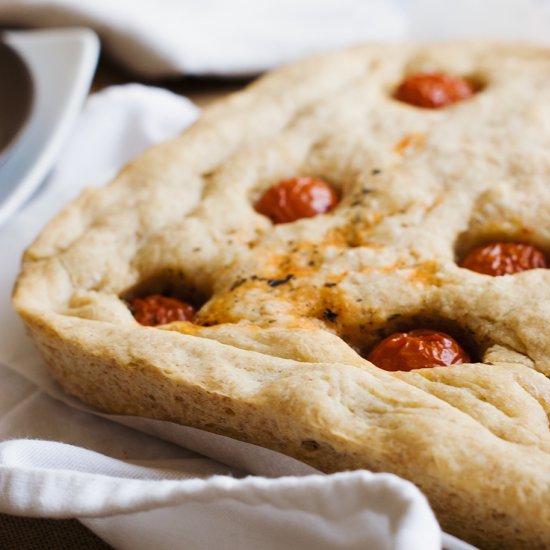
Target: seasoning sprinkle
x=330, y=315
x=237, y=284
x=277, y=282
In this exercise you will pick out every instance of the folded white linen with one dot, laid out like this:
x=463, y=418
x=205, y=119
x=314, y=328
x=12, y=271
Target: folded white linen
x=118, y=499
x=158, y=38
x=137, y=491
x=169, y=37
x=514, y=20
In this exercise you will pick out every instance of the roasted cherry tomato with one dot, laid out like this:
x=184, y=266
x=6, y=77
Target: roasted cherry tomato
x=504, y=258
x=158, y=310
x=417, y=349
x=295, y=198
x=433, y=90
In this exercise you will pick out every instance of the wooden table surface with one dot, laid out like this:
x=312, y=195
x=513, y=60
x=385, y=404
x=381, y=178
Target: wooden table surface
x=17, y=533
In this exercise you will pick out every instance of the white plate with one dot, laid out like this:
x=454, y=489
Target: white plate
x=62, y=63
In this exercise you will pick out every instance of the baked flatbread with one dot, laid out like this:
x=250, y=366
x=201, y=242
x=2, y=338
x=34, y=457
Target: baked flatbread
x=276, y=355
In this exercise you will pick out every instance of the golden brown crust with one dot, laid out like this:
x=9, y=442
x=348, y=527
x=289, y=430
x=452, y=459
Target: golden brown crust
x=419, y=187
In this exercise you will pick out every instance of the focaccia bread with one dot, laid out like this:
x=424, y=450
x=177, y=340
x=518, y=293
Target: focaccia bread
x=288, y=312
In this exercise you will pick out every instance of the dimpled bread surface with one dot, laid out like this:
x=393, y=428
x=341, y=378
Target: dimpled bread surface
x=289, y=311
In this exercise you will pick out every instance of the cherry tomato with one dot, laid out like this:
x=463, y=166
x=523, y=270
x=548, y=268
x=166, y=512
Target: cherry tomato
x=504, y=258
x=158, y=310
x=417, y=349
x=433, y=90
x=295, y=198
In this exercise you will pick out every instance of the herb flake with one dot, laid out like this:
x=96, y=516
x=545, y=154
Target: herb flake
x=277, y=282
x=330, y=315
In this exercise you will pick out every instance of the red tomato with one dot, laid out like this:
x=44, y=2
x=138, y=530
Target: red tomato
x=159, y=310
x=433, y=90
x=296, y=198
x=504, y=258
x=417, y=349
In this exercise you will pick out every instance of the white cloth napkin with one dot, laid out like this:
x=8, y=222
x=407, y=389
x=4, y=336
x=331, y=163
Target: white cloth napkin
x=520, y=20
x=224, y=37
x=157, y=38
x=137, y=491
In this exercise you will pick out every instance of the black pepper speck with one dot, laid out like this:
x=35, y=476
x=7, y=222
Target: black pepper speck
x=330, y=315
